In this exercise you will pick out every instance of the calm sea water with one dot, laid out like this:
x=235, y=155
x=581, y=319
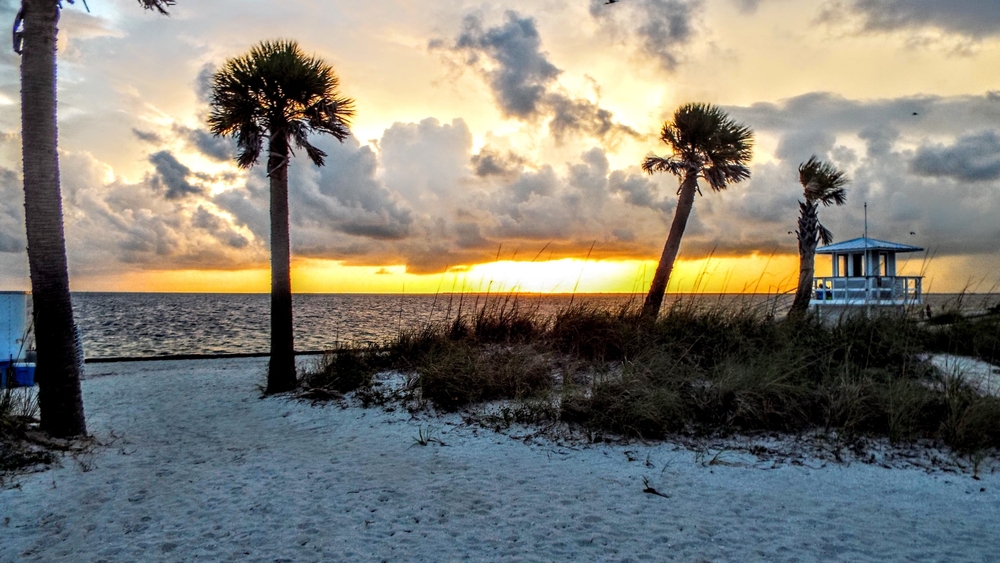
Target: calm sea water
x=156, y=324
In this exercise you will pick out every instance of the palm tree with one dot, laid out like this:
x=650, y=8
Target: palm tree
x=276, y=92
x=821, y=183
x=59, y=360
x=707, y=144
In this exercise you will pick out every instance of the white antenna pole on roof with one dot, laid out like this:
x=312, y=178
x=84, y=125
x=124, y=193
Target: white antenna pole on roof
x=867, y=259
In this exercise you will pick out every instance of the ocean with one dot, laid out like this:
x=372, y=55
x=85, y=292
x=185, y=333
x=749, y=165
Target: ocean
x=162, y=324
x=158, y=324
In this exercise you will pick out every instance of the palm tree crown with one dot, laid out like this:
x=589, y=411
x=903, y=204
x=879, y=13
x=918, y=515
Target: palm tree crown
x=158, y=5
x=707, y=142
x=277, y=90
x=823, y=183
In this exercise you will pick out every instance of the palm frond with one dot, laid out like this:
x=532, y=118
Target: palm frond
x=825, y=236
x=822, y=182
x=300, y=134
x=653, y=163
x=704, y=139
x=158, y=5
x=249, y=143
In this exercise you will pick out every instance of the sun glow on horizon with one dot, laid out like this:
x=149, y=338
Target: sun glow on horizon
x=749, y=274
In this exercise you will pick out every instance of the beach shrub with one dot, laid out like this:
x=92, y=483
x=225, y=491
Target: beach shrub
x=457, y=374
x=18, y=447
x=598, y=334
x=346, y=369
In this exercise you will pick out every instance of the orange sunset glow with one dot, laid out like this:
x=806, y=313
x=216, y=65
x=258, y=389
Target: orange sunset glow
x=763, y=274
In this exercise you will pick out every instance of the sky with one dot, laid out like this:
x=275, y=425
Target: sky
x=497, y=144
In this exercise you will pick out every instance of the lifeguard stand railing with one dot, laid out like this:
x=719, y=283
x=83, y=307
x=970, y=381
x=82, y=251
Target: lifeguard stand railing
x=871, y=290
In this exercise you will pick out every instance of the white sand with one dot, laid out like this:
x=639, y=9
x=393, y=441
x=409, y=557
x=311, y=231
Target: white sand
x=206, y=471
x=982, y=376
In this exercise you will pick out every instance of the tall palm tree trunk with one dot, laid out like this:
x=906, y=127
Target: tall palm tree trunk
x=654, y=299
x=281, y=369
x=808, y=236
x=58, y=364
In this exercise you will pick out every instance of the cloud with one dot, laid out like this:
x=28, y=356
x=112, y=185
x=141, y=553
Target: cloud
x=911, y=159
x=171, y=176
x=491, y=162
x=522, y=75
x=971, y=18
x=11, y=213
x=523, y=80
x=218, y=227
x=971, y=158
x=113, y=225
x=662, y=28
x=203, y=83
x=331, y=207
x=147, y=136
x=836, y=114
x=220, y=149
x=748, y=6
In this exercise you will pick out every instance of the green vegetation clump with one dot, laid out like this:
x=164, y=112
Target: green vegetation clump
x=716, y=370
x=20, y=447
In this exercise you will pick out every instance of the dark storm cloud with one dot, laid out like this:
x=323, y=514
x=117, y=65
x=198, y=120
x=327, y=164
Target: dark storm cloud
x=638, y=190
x=203, y=83
x=219, y=149
x=147, y=136
x=835, y=114
x=878, y=140
x=801, y=144
x=523, y=74
x=971, y=158
x=171, y=176
x=662, y=27
x=491, y=162
x=468, y=235
x=219, y=228
x=524, y=81
x=973, y=18
x=572, y=115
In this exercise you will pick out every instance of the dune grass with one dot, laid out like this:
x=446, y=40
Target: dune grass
x=20, y=448
x=717, y=370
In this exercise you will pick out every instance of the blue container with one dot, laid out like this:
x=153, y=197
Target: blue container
x=17, y=375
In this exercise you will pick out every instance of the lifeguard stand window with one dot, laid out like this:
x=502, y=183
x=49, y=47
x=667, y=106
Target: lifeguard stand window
x=858, y=265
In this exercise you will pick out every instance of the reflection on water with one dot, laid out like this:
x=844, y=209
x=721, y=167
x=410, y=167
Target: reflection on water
x=154, y=324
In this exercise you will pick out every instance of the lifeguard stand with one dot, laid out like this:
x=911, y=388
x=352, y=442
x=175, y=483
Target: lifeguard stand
x=864, y=274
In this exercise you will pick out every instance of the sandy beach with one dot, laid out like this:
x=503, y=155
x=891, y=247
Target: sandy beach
x=197, y=467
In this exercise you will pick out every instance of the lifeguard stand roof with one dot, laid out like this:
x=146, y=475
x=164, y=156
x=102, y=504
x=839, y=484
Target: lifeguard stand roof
x=861, y=243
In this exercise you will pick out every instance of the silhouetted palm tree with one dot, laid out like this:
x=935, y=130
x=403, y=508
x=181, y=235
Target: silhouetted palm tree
x=59, y=361
x=822, y=183
x=277, y=93
x=707, y=144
